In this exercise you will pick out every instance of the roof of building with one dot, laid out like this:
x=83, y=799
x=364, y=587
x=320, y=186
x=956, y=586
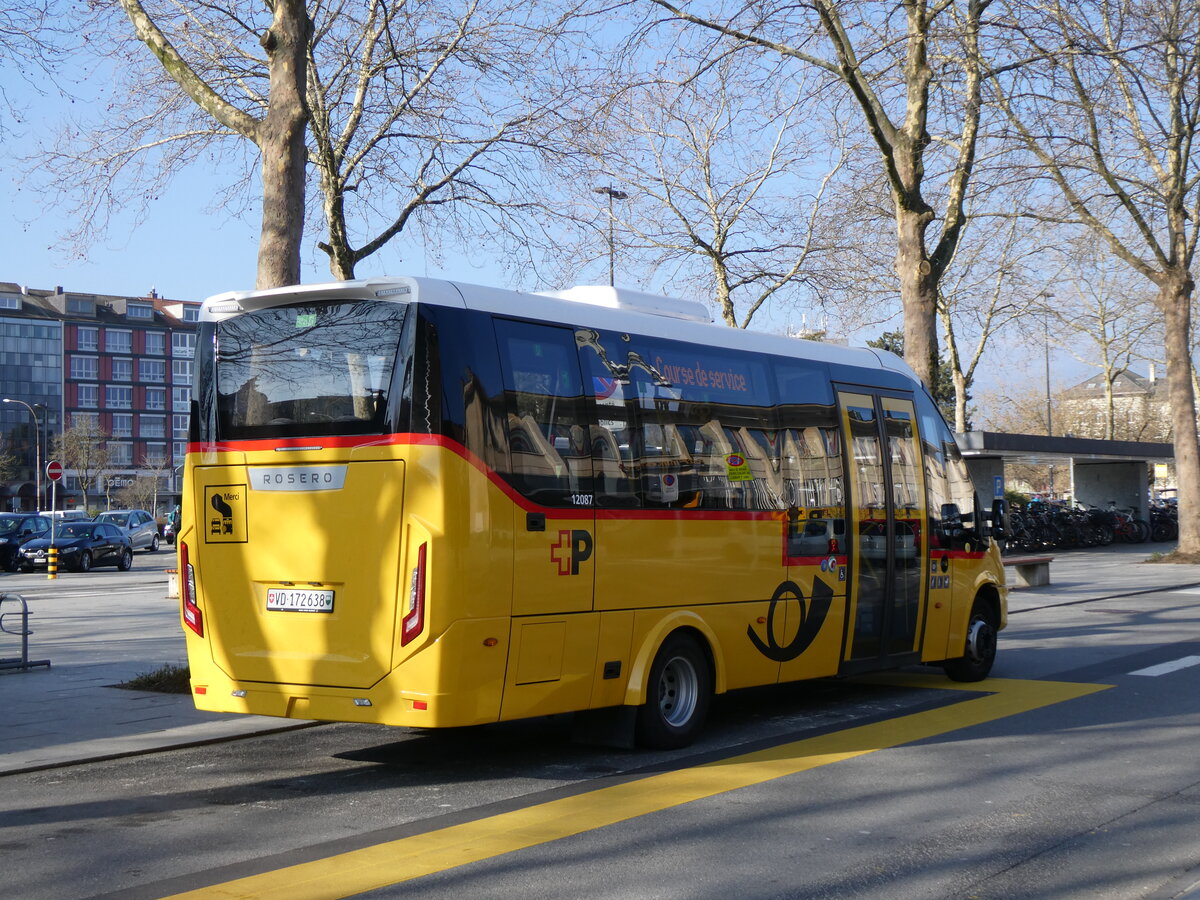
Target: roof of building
x=1127, y=384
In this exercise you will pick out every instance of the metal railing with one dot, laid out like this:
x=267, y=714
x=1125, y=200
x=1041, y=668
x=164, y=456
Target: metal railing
x=22, y=662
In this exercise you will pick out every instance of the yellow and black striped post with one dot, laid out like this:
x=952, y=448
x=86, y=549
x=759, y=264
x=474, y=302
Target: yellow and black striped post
x=52, y=563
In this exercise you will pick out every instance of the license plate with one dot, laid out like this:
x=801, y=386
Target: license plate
x=300, y=599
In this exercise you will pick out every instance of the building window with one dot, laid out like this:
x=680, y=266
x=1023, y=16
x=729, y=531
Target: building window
x=179, y=428
x=116, y=341
x=85, y=420
x=181, y=399
x=151, y=427
x=117, y=397
x=154, y=455
x=191, y=312
x=88, y=396
x=85, y=368
x=122, y=425
x=181, y=371
x=139, y=311
x=122, y=370
x=180, y=450
x=9, y=301
x=81, y=307
x=87, y=338
x=156, y=343
x=183, y=344
x=152, y=370
x=120, y=454
x=156, y=398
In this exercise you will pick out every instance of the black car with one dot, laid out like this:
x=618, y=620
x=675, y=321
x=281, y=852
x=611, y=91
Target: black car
x=15, y=530
x=81, y=545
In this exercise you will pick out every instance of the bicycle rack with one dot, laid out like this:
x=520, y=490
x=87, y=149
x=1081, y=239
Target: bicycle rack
x=23, y=662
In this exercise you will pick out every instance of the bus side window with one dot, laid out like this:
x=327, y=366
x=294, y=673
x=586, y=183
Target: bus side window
x=811, y=461
x=549, y=444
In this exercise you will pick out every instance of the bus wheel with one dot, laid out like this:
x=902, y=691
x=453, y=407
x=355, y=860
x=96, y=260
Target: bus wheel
x=980, y=650
x=677, y=695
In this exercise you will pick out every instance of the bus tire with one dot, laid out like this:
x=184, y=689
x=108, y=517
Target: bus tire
x=979, y=652
x=677, y=695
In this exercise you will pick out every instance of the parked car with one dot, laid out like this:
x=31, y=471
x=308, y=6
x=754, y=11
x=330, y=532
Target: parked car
x=15, y=530
x=81, y=545
x=137, y=523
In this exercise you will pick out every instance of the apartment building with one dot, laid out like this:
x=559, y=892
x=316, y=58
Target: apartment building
x=119, y=365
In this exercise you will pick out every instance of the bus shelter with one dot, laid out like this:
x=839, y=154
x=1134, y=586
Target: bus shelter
x=1100, y=472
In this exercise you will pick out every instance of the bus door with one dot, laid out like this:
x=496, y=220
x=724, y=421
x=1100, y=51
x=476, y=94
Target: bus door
x=550, y=466
x=886, y=530
x=554, y=633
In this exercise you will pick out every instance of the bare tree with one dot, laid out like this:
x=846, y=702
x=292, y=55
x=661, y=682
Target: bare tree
x=83, y=449
x=885, y=63
x=398, y=113
x=432, y=110
x=27, y=50
x=1102, y=320
x=986, y=289
x=1110, y=112
x=278, y=130
x=694, y=173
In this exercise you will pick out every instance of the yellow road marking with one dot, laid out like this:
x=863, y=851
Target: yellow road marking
x=412, y=857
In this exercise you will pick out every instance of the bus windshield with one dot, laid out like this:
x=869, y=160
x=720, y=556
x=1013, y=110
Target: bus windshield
x=319, y=368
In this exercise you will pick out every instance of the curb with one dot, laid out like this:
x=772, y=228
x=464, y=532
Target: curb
x=101, y=749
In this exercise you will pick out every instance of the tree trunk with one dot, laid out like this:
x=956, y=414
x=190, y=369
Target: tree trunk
x=282, y=144
x=1174, y=300
x=341, y=256
x=918, y=292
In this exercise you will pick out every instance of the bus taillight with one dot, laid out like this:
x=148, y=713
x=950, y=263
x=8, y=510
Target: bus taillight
x=414, y=620
x=192, y=617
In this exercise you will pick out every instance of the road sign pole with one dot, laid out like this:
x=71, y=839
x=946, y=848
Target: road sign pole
x=52, y=562
x=54, y=471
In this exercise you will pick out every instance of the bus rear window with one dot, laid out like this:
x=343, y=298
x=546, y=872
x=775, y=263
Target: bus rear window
x=313, y=369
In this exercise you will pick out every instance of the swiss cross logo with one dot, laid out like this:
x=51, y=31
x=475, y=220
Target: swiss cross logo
x=573, y=548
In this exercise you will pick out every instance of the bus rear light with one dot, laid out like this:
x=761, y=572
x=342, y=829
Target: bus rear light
x=414, y=620
x=833, y=546
x=192, y=616
x=420, y=704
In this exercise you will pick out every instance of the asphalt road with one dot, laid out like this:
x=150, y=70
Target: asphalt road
x=1074, y=773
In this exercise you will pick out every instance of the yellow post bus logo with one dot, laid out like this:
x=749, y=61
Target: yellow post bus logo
x=573, y=548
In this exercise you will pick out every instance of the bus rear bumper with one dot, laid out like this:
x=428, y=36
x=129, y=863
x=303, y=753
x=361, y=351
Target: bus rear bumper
x=471, y=688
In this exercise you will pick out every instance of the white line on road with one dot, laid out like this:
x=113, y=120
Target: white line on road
x=1173, y=666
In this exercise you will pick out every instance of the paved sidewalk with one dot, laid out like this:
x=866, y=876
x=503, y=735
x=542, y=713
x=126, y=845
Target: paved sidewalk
x=70, y=713
x=97, y=633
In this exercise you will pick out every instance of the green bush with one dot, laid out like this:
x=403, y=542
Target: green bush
x=167, y=679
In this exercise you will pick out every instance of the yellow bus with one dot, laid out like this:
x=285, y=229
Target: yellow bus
x=432, y=504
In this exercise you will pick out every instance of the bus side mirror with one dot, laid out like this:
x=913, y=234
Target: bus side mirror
x=999, y=518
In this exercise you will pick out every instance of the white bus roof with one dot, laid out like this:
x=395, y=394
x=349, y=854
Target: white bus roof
x=615, y=309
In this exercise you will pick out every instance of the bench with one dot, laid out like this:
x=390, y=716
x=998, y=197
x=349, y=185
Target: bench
x=1028, y=571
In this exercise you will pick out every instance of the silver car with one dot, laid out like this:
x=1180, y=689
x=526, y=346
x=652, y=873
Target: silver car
x=141, y=527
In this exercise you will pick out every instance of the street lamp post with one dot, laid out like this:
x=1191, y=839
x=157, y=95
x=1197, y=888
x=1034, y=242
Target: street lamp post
x=1046, y=326
x=37, y=444
x=1047, y=297
x=613, y=194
